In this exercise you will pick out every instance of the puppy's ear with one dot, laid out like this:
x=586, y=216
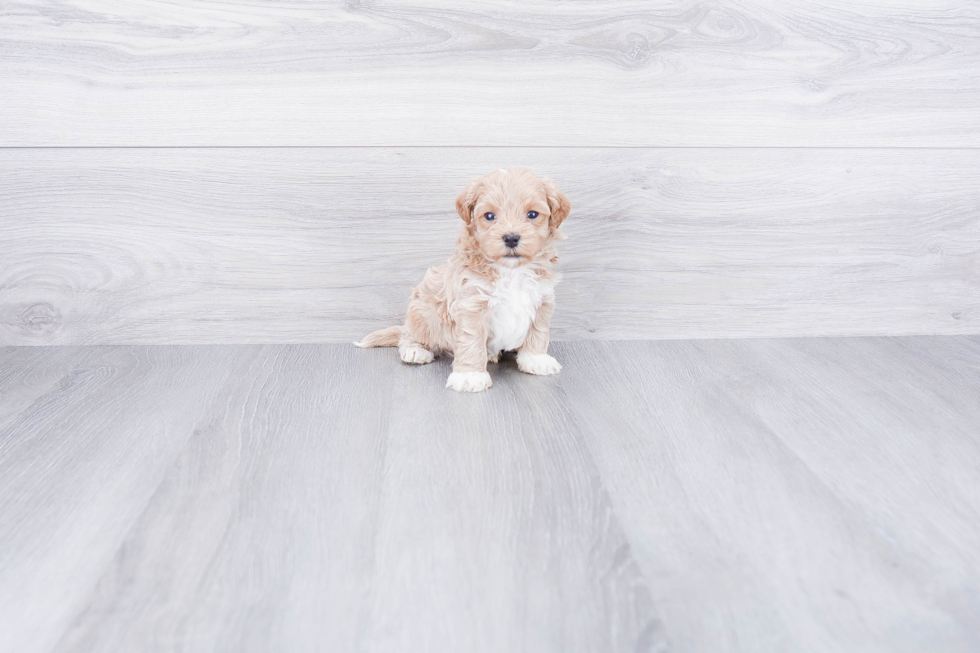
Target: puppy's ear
x=559, y=204
x=467, y=200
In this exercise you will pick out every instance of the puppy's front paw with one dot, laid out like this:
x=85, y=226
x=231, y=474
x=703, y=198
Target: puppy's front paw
x=469, y=381
x=541, y=364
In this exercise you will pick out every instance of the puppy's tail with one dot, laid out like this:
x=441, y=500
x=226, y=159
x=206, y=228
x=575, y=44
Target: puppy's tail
x=382, y=338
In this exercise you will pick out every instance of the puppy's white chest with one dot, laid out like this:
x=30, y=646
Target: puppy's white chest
x=513, y=303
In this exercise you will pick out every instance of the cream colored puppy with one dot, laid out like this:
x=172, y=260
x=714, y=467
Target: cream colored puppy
x=496, y=293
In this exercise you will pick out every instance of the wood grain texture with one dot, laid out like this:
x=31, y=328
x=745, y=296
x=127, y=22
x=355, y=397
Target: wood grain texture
x=677, y=73
x=80, y=458
x=796, y=495
x=762, y=495
x=325, y=499
x=116, y=246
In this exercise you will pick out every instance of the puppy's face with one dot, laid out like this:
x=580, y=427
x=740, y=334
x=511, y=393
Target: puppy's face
x=512, y=213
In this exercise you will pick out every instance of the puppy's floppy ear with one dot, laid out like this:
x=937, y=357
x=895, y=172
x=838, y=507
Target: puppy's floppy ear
x=557, y=202
x=467, y=200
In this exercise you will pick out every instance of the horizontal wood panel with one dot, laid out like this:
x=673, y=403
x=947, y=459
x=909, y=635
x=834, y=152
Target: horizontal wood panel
x=323, y=245
x=594, y=73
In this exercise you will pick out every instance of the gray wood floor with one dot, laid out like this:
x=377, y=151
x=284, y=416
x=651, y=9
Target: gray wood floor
x=739, y=495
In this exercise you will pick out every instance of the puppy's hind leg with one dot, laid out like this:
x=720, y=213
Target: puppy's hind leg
x=413, y=351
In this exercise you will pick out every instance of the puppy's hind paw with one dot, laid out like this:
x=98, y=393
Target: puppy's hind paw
x=416, y=354
x=469, y=381
x=540, y=364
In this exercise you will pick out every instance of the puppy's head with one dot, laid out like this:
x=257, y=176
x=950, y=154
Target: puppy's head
x=512, y=214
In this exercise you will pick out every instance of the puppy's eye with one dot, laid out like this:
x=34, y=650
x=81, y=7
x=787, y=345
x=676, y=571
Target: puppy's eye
x=531, y=215
x=489, y=216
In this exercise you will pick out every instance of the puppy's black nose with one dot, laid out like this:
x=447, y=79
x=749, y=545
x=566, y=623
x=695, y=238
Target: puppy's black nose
x=511, y=240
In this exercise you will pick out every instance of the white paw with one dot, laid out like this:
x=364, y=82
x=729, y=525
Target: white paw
x=416, y=354
x=542, y=364
x=469, y=381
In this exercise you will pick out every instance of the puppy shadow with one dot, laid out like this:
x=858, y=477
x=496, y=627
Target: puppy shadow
x=505, y=372
x=507, y=363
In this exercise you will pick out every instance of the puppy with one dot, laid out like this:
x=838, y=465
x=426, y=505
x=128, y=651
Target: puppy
x=496, y=293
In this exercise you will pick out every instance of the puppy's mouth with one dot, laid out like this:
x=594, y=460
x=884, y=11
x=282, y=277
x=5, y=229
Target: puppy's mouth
x=512, y=254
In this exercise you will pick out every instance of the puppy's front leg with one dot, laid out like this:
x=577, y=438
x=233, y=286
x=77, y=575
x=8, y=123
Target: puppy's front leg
x=470, y=356
x=532, y=357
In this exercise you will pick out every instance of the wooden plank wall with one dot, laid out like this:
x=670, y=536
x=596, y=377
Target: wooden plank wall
x=277, y=172
x=495, y=72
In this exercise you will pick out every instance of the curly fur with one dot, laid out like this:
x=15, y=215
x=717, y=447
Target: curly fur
x=489, y=296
